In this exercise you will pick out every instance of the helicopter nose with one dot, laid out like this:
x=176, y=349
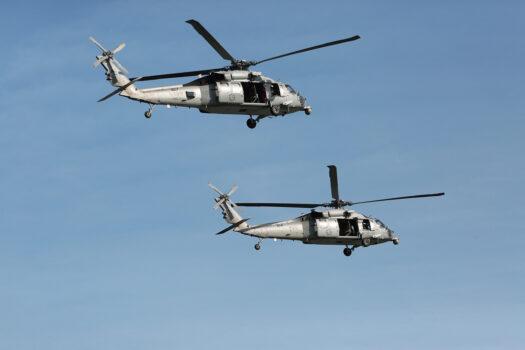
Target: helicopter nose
x=302, y=99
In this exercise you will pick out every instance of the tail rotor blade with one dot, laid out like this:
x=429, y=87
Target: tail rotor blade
x=232, y=191
x=98, y=44
x=99, y=61
x=219, y=203
x=119, y=48
x=215, y=189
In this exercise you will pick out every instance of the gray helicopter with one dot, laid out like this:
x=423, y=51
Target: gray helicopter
x=336, y=226
x=233, y=89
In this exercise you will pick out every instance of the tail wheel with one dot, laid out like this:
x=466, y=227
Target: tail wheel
x=147, y=114
x=257, y=246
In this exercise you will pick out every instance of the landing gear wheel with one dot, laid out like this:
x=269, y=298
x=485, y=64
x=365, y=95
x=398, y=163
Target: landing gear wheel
x=257, y=246
x=251, y=123
x=147, y=114
x=347, y=251
x=275, y=110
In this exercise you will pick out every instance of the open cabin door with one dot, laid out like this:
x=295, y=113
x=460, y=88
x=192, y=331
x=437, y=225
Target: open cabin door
x=254, y=92
x=348, y=227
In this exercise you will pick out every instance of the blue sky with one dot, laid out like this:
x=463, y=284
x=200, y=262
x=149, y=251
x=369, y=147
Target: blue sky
x=106, y=221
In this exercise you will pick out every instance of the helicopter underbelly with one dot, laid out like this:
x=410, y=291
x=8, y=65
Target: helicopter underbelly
x=254, y=109
x=241, y=109
x=334, y=241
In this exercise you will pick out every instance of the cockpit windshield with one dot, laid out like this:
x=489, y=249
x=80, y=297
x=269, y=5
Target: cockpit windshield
x=380, y=223
x=290, y=88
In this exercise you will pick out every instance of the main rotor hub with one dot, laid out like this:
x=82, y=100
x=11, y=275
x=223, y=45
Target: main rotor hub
x=241, y=64
x=338, y=203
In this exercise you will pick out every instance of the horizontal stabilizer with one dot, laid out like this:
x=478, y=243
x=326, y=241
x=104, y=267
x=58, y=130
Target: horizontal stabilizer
x=237, y=224
x=119, y=90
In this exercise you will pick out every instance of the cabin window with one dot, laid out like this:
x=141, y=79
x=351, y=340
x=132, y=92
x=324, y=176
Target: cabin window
x=366, y=224
x=190, y=95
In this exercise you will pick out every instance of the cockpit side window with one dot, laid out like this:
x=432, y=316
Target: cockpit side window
x=275, y=90
x=291, y=89
x=366, y=224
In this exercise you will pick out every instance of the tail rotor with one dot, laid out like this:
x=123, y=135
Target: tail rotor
x=223, y=196
x=228, y=210
x=108, y=55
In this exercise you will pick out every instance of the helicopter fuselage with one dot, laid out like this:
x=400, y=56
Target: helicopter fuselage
x=231, y=89
x=335, y=226
x=332, y=227
x=227, y=92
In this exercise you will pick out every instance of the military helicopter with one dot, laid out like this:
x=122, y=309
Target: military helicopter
x=336, y=226
x=232, y=89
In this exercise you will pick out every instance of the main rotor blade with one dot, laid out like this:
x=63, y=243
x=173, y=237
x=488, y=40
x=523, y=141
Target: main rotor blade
x=211, y=40
x=404, y=197
x=97, y=43
x=334, y=184
x=281, y=205
x=336, y=42
x=178, y=75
